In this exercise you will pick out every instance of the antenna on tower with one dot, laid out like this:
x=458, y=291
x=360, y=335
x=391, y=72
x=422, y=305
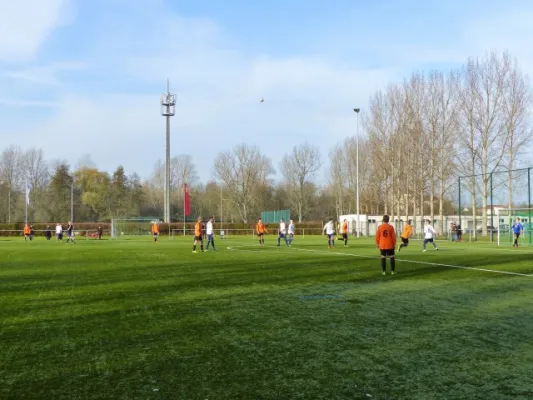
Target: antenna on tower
x=168, y=109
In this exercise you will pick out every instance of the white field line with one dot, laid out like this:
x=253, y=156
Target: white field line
x=400, y=260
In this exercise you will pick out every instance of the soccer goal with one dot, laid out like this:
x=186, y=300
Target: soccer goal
x=131, y=227
x=507, y=217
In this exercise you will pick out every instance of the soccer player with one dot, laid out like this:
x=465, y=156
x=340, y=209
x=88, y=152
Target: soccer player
x=329, y=230
x=210, y=237
x=345, y=232
x=198, y=235
x=518, y=228
x=70, y=232
x=406, y=234
x=386, y=242
x=292, y=230
x=261, y=230
x=282, y=232
x=26, y=232
x=155, y=231
x=429, y=235
x=59, y=232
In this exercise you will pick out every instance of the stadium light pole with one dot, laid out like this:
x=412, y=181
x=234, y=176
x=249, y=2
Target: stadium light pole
x=168, y=109
x=356, y=110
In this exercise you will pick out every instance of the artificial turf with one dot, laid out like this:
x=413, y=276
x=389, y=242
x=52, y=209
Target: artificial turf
x=130, y=319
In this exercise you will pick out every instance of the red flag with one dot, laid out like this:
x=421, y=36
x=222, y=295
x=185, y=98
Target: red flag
x=187, y=200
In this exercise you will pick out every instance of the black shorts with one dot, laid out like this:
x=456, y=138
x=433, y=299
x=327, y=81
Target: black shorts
x=260, y=234
x=517, y=235
x=199, y=238
x=387, y=253
x=405, y=241
x=345, y=236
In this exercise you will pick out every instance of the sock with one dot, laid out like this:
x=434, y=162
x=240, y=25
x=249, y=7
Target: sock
x=392, y=264
x=384, y=264
x=193, y=247
x=345, y=242
x=202, y=246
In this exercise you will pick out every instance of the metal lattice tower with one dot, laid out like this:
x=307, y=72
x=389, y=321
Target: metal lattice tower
x=168, y=108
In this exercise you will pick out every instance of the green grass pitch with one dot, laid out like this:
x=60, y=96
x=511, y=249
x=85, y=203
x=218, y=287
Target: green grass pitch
x=130, y=319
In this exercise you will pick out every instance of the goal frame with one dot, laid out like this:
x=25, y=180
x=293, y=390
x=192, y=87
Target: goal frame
x=115, y=221
x=509, y=215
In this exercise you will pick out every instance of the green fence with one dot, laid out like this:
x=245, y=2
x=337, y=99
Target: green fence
x=480, y=196
x=271, y=217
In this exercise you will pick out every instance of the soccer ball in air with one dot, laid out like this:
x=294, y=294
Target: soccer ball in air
x=262, y=100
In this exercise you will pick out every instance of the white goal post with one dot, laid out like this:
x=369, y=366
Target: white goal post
x=506, y=218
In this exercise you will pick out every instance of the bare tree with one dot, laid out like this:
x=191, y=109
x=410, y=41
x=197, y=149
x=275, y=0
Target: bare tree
x=443, y=128
x=38, y=176
x=242, y=170
x=12, y=172
x=518, y=130
x=182, y=170
x=298, y=168
x=483, y=106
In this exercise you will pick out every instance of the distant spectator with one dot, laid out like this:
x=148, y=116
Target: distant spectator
x=100, y=232
x=32, y=232
x=48, y=233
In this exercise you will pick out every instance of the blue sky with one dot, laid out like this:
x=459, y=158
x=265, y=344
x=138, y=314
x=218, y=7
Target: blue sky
x=84, y=77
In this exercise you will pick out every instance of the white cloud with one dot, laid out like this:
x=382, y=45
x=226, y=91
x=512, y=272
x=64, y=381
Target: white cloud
x=45, y=74
x=25, y=25
x=307, y=97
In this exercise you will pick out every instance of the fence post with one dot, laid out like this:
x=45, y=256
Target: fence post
x=459, y=202
x=529, y=202
x=491, y=211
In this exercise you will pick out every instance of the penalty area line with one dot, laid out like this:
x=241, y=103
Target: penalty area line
x=423, y=263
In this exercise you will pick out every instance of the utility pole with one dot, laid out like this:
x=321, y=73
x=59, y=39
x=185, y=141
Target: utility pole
x=168, y=108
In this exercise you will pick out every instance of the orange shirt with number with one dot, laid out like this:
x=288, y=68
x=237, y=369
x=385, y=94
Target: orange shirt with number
x=407, y=230
x=198, y=229
x=386, y=237
x=345, y=227
x=260, y=227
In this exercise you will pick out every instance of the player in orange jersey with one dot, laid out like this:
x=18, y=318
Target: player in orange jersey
x=260, y=228
x=386, y=242
x=406, y=234
x=26, y=232
x=198, y=237
x=155, y=231
x=345, y=233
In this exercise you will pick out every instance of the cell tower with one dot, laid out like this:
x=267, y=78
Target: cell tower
x=168, y=109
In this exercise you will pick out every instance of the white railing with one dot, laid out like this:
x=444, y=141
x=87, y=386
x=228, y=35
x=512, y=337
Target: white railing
x=40, y=233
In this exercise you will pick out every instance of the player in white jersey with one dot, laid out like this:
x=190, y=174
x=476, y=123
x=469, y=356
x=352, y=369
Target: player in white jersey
x=292, y=230
x=210, y=234
x=429, y=235
x=329, y=230
x=282, y=232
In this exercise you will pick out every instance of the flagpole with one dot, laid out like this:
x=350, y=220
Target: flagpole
x=27, y=201
x=27, y=195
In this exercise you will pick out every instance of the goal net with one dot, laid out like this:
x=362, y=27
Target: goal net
x=507, y=218
x=131, y=227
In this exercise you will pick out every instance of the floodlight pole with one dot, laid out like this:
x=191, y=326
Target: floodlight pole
x=168, y=108
x=356, y=110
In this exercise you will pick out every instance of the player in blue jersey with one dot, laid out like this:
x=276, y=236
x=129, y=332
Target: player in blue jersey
x=518, y=228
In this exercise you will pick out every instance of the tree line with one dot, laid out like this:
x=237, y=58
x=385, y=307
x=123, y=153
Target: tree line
x=417, y=137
